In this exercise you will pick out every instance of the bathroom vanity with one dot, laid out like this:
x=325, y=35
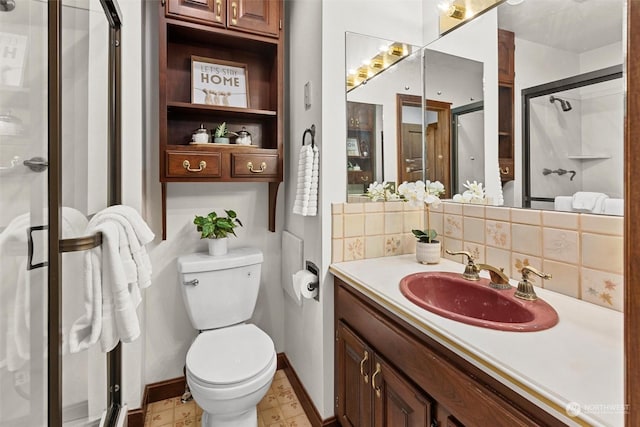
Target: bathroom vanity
x=398, y=364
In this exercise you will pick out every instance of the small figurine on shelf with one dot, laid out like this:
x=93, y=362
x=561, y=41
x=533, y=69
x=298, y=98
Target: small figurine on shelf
x=364, y=148
x=210, y=97
x=222, y=135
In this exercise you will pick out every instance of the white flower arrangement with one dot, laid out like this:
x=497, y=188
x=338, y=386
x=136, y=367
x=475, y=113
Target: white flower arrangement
x=381, y=191
x=416, y=193
x=474, y=193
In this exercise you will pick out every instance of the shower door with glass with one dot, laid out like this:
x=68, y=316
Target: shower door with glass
x=56, y=127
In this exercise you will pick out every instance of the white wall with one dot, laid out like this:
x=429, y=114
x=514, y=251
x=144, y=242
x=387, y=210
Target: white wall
x=168, y=332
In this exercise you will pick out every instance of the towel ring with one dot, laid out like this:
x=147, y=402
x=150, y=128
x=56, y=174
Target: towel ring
x=312, y=132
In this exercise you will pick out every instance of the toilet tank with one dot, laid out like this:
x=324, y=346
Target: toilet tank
x=226, y=290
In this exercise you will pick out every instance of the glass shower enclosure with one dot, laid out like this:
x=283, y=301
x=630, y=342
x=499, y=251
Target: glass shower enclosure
x=59, y=95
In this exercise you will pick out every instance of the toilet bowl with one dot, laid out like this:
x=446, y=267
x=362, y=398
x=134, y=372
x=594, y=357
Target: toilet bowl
x=229, y=371
x=230, y=365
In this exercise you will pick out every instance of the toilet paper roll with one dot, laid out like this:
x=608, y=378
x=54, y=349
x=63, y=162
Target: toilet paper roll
x=301, y=281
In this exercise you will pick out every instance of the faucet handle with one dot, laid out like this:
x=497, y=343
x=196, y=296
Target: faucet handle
x=471, y=270
x=525, y=289
x=528, y=269
x=470, y=257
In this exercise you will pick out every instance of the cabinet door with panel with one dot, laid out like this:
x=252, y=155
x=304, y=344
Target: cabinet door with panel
x=210, y=12
x=353, y=379
x=396, y=402
x=256, y=16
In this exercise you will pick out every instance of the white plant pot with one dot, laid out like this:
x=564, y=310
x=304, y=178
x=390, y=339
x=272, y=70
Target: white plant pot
x=428, y=253
x=218, y=247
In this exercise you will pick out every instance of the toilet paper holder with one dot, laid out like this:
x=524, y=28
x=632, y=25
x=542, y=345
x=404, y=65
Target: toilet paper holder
x=313, y=285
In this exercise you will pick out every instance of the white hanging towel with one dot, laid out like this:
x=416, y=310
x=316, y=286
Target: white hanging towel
x=306, y=203
x=113, y=276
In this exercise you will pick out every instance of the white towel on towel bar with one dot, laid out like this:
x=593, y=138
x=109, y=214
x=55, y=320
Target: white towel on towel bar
x=114, y=274
x=308, y=175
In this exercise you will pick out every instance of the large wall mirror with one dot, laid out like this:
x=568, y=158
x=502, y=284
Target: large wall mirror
x=551, y=134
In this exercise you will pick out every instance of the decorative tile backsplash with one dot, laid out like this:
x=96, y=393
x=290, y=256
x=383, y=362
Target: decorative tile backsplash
x=583, y=252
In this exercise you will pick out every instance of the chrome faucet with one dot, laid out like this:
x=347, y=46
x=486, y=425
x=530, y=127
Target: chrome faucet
x=471, y=270
x=525, y=287
x=499, y=280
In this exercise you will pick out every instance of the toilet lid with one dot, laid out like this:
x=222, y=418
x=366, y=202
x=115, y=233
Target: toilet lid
x=230, y=355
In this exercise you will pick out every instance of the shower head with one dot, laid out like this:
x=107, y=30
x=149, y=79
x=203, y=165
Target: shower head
x=564, y=104
x=7, y=5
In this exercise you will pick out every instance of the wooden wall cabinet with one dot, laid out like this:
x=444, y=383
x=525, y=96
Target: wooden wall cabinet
x=361, y=126
x=248, y=32
x=254, y=16
x=420, y=382
x=506, y=78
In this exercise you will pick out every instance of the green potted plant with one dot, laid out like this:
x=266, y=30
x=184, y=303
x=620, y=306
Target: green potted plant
x=217, y=229
x=222, y=134
x=427, y=248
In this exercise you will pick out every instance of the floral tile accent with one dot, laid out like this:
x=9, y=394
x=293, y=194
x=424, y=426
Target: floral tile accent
x=393, y=245
x=476, y=250
x=271, y=416
x=161, y=418
x=353, y=249
x=560, y=245
x=518, y=261
x=299, y=421
x=292, y=409
x=602, y=288
x=498, y=234
x=184, y=410
x=453, y=226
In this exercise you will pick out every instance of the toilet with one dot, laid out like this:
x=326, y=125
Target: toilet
x=231, y=363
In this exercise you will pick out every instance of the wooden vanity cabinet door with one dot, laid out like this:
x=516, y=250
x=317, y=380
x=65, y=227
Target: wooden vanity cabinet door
x=255, y=16
x=210, y=12
x=396, y=402
x=353, y=382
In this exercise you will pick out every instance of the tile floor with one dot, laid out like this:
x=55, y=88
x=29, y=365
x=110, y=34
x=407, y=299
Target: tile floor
x=279, y=408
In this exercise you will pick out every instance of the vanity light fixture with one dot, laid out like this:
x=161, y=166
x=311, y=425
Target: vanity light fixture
x=385, y=58
x=457, y=11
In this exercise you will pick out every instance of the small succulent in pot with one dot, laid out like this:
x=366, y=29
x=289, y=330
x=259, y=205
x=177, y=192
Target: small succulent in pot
x=222, y=134
x=426, y=236
x=213, y=226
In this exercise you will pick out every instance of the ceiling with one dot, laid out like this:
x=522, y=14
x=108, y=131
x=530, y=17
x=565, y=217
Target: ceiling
x=572, y=25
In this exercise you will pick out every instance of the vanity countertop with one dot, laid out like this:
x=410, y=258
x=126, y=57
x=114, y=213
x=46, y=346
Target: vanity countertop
x=578, y=361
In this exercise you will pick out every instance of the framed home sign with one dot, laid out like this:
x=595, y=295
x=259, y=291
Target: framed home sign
x=218, y=82
x=353, y=148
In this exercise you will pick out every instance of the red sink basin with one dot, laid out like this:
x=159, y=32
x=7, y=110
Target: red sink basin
x=475, y=303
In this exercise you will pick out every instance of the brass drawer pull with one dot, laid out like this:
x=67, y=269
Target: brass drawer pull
x=504, y=171
x=362, y=362
x=187, y=166
x=373, y=379
x=219, y=10
x=263, y=167
x=364, y=178
x=234, y=13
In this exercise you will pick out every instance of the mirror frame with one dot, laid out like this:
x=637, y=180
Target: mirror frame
x=631, y=213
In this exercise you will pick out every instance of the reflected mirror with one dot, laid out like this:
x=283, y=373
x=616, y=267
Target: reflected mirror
x=377, y=70
x=552, y=130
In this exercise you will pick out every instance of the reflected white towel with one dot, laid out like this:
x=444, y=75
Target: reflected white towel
x=614, y=207
x=562, y=203
x=308, y=174
x=16, y=283
x=586, y=201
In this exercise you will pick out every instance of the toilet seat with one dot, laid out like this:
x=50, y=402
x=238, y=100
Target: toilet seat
x=231, y=361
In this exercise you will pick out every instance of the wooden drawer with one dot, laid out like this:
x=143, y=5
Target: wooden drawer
x=192, y=164
x=360, y=177
x=254, y=165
